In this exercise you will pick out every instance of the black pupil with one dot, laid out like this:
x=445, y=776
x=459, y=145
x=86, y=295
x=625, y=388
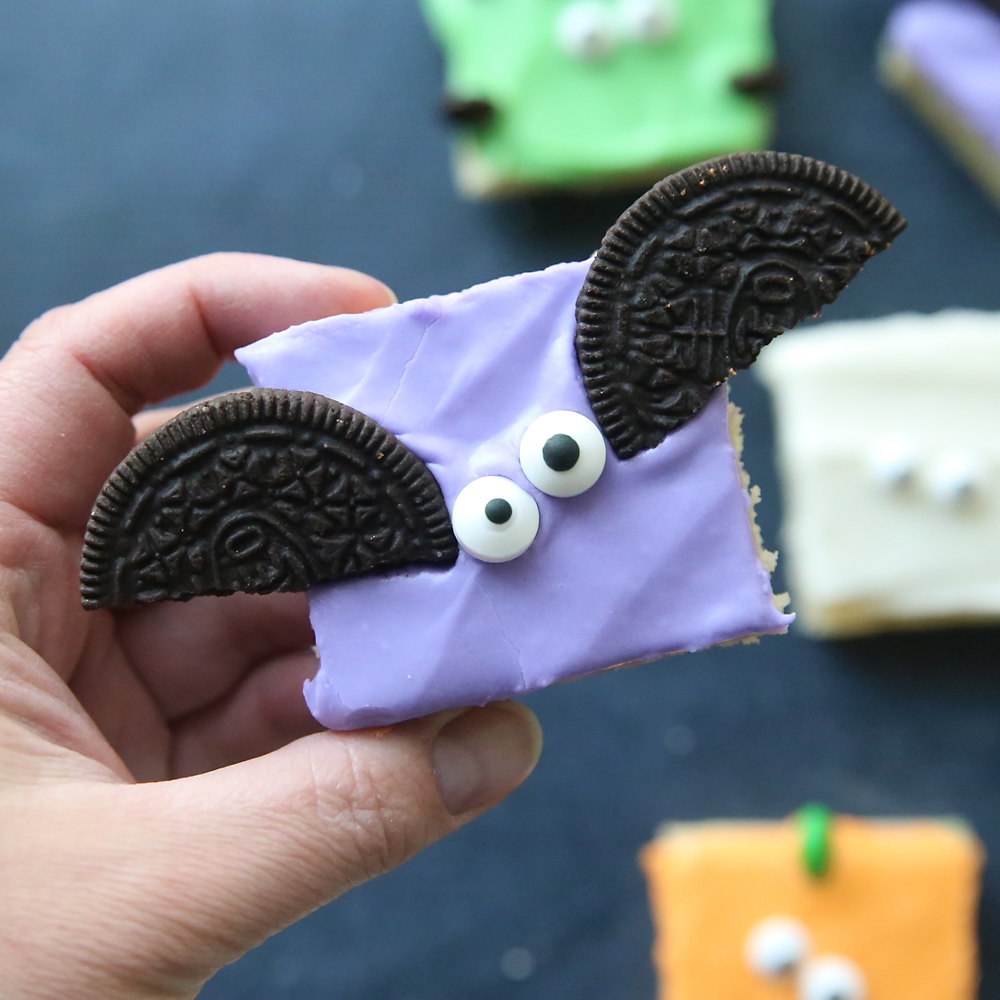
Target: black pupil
x=498, y=511
x=560, y=453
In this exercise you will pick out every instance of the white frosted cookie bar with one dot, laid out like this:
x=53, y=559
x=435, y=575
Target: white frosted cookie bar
x=889, y=445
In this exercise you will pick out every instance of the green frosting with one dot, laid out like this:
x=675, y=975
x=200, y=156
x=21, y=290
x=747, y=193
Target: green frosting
x=815, y=828
x=642, y=109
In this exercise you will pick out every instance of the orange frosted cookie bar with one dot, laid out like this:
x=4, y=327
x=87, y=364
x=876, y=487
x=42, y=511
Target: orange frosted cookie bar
x=841, y=910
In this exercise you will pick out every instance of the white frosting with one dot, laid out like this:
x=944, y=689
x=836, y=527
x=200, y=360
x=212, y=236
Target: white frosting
x=889, y=440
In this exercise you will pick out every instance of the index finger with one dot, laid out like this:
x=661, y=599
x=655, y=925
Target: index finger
x=71, y=383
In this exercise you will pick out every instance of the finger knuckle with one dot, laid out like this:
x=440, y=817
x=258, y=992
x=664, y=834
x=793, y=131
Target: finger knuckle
x=376, y=815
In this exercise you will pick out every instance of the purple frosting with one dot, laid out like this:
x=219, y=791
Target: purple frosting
x=955, y=46
x=657, y=557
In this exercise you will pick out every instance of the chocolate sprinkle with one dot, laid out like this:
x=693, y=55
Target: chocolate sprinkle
x=759, y=83
x=473, y=113
x=704, y=270
x=258, y=491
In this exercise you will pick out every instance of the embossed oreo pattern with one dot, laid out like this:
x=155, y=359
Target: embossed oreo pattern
x=258, y=491
x=704, y=270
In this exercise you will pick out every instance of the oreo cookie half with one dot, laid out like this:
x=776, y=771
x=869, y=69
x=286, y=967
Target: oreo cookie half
x=258, y=491
x=704, y=270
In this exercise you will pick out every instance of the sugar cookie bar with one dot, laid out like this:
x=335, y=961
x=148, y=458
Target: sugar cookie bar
x=600, y=93
x=741, y=913
x=889, y=447
x=943, y=56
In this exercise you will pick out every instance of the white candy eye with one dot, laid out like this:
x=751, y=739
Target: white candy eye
x=830, y=977
x=494, y=519
x=893, y=462
x=953, y=479
x=563, y=453
x=648, y=21
x=585, y=30
x=776, y=946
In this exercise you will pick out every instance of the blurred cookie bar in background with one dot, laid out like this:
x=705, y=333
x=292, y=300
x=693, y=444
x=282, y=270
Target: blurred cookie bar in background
x=943, y=56
x=600, y=93
x=817, y=907
x=889, y=447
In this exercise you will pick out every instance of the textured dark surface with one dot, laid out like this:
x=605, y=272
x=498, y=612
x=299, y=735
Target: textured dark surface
x=258, y=491
x=132, y=135
x=706, y=269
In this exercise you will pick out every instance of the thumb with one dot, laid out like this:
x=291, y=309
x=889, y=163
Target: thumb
x=227, y=858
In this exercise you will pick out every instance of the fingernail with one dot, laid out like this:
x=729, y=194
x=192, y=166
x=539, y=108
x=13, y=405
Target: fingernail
x=485, y=754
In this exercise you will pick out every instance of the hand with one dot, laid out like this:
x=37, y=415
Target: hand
x=166, y=802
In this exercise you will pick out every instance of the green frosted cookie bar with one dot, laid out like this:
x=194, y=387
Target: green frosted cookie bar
x=597, y=93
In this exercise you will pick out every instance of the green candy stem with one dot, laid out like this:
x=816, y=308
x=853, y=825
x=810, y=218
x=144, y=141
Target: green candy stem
x=815, y=823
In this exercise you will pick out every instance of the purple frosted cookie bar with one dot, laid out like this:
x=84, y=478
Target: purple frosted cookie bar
x=657, y=556
x=944, y=57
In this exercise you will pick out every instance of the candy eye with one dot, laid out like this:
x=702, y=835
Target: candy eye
x=563, y=453
x=585, y=30
x=892, y=463
x=776, y=946
x=648, y=21
x=830, y=977
x=953, y=479
x=494, y=519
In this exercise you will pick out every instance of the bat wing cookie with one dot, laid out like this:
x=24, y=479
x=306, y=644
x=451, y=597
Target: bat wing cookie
x=494, y=490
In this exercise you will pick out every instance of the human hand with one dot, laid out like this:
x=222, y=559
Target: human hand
x=166, y=802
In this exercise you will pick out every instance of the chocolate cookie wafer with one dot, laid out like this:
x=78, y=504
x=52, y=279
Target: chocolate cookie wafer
x=704, y=270
x=258, y=491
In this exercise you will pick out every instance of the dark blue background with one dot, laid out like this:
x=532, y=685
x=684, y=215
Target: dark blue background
x=136, y=134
